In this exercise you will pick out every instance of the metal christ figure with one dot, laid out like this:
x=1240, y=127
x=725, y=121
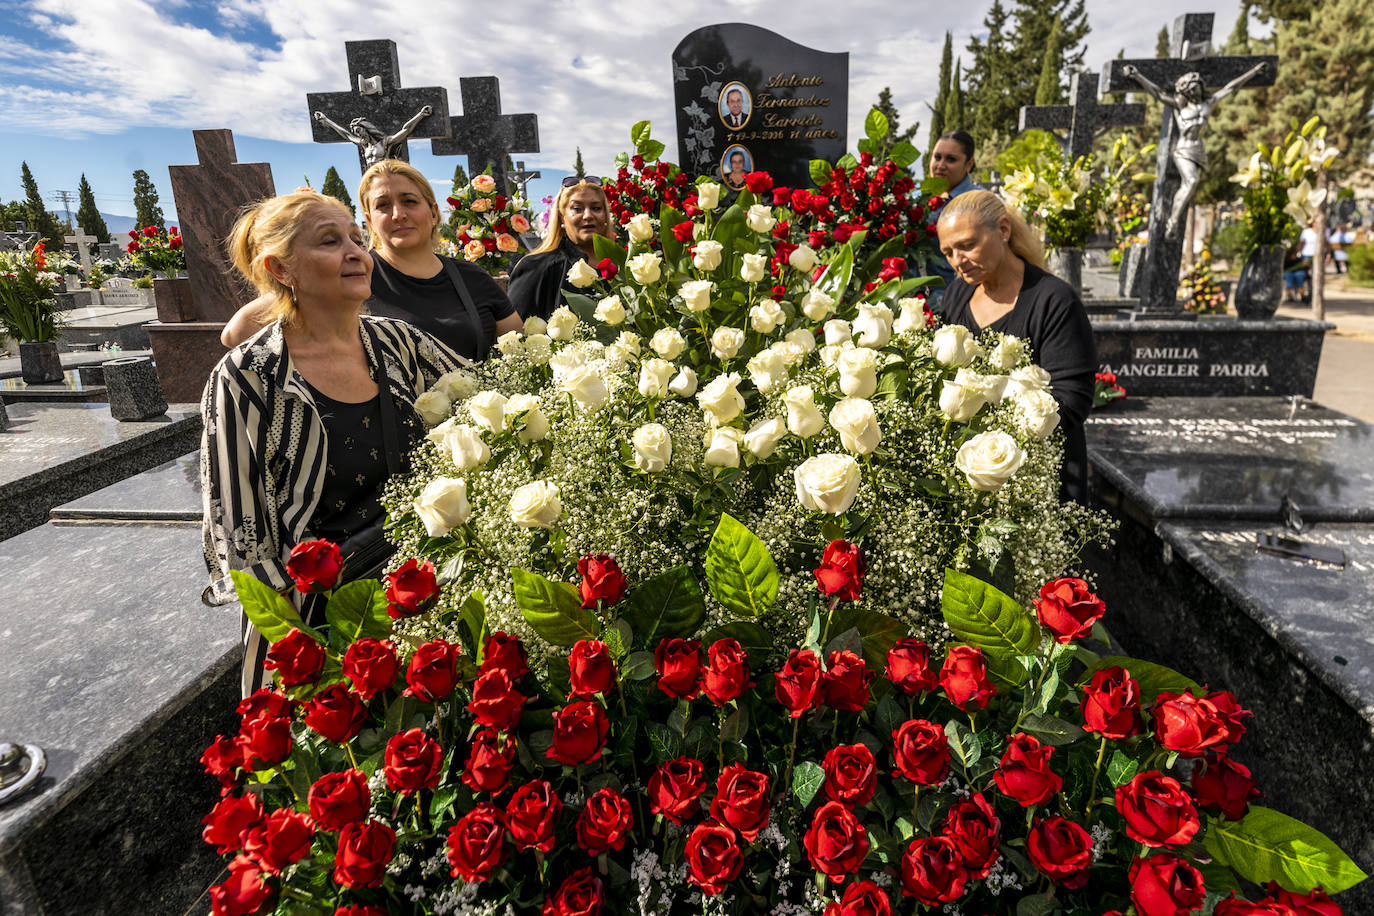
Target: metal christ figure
x=374, y=144
x=1192, y=109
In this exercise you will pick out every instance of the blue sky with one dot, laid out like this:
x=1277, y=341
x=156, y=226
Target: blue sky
x=103, y=87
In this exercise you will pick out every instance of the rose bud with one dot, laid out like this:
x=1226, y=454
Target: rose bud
x=678, y=663
x=964, y=678
x=1190, y=725
x=1220, y=784
x=851, y=774
x=602, y=581
x=371, y=665
x=713, y=857
x=908, y=666
x=860, y=898
x=579, y=733
x=266, y=702
x=504, y=651
x=741, y=800
x=495, y=701
x=336, y=713
x=1232, y=906
x=296, y=657
x=1313, y=903
x=315, y=565
x=846, y=681
x=531, y=814
x=413, y=760
x=264, y=742
x=1156, y=810
x=836, y=842
x=1024, y=774
x=758, y=182
x=243, y=892
x=475, y=843
x=1231, y=711
x=605, y=821
x=360, y=909
x=841, y=572
x=590, y=668
x=411, y=589
x=338, y=799
x=933, y=871
x=974, y=828
x=433, y=671
x=1062, y=851
x=921, y=751
x=489, y=763
x=230, y=819
x=365, y=850
x=675, y=787
x=580, y=894
x=1111, y=704
x=726, y=675
x=1165, y=885
x=797, y=685
x=1068, y=609
x=282, y=838
x=222, y=759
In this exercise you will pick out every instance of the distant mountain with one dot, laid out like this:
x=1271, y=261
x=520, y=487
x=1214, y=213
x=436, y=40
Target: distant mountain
x=118, y=225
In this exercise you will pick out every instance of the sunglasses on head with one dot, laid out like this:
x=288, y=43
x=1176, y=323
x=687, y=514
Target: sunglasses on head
x=573, y=181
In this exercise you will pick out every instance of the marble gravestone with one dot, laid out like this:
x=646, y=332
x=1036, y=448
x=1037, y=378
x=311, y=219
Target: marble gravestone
x=1082, y=120
x=792, y=101
x=484, y=134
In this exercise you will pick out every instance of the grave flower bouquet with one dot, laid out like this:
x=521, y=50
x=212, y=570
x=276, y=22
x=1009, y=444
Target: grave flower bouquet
x=28, y=295
x=1059, y=196
x=644, y=183
x=486, y=225
x=155, y=249
x=1278, y=184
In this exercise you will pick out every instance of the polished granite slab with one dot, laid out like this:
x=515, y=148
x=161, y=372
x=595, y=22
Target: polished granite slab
x=169, y=492
x=10, y=368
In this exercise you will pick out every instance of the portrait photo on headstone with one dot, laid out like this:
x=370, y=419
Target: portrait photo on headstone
x=735, y=104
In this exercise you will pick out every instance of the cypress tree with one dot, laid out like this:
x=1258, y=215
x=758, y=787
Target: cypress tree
x=578, y=168
x=1047, y=91
x=88, y=216
x=147, y=211
x=937, y=111
x=988, y=107
x=460, y=177
x=39, y=218
x=895, y=133
x=954, y=106
x=334, y=187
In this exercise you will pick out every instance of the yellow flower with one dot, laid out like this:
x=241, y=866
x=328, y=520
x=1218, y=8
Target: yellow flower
x=1251, y=172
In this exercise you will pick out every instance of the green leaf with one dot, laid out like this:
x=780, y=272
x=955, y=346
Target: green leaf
x=1036, y=905
x=736, y=725
x=1052, y=730
x=606, y=248
x=358, y=609
x=875, y=125
x=472, y=624
x=877, y=632
x=669, y=604
x=639, y=133
x=552, y=609
x=820, y=171
x=982, y=616
x=835, y=280
x=665, y=742
x=732, y=225
x=651, y=150
x=1267, y=846
x=667, y=219
x=1121, y=769
x=1153, y=679
x=584, y=307
x=638, y=667
x=272, y=614
x=739, y=569
x=931, y=186
x=904, y=154
x=963, y=743
x=847, y=161
x=807, y=780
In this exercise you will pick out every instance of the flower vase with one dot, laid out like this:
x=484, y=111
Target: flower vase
x=175, y=303
x=1260, y=287
x=39, y=363
x=1067, y=265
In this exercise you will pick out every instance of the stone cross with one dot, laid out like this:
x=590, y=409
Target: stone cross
x=1083, y=119
x=110, y=251
x=485, y=135
x=375, y=96
x=82, y=241
x=1191, y=34
x=208, y=199
x=522, y=178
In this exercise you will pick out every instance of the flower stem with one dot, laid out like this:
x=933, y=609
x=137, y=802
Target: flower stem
x=792, y=753
x=1097, y=770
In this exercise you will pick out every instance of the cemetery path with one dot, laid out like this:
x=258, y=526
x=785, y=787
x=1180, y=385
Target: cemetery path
x=1344, y=379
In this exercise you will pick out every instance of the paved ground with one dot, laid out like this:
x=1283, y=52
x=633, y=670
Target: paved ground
x=1345, y=378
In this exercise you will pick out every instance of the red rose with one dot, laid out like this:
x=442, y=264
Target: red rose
x=758, y=182
x=229, y=820
x=371, y=665
x=1111, y=704
x=264, y=742
x=475, y=843
x=266, y=702
x=315, y=565
x=908, y=666
x=360, y=909
x=1156, y=810
x=579, y=733
x=489, y=762
x=1220, y=784
x=1235, y=907
x=1315, y=903
x=1062, y=850
x=921, y=751
x=851, y=774
x=243, y=892
x=580, y=894
x=964, y=677
x=846, y=681
x=531, y=814
x=296, y=657
x=412, y=761
x=678, y=663
x=741, y=800
x=1068, y=609
x=365, y=849
x=495, y=701
x=222, y=759
x=507, y=652
x=412, y=589
x=283, y=837
x=150, y=231
x=713, y=857
x=675, y=787
x=605, y=821
x=591, y=669
x=683, y=231
x=602, y=580
x=1230, y=709
x=861, y=898
x=727, y=671
x=607, y=268
x=339, y=799
x=974, y=828
x=933, y=871
x=836, y=842
x=797, y=685
x=433, y=671
x=841, y=572
x=336, y=713
x=1190, y=725
x=1165, y=885
x=1025, y=774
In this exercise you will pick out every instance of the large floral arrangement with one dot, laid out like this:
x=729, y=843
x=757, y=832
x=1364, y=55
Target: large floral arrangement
x=29, y=283
x=1058, y=196
x=153, y=248
x=486, y=224
x=1279, y=185
x=644, y=183
x=1200, y=291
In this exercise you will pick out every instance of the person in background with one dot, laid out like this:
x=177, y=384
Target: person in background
x=580, y=214
x=1337, y=242
x=951, y=159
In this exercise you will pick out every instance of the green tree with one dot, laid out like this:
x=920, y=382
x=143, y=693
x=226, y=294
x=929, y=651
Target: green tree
x=88, y=215
x=954, y=105
x=578, y=168
x=1231, y=132
x=11, y=213
x=460, y=177
x=39, y=218
x=988, y=107
x=334, y=187
x=1162, y=42
x=895, y=133
x=1047, y=91
x=146, y=210
x=937, y=111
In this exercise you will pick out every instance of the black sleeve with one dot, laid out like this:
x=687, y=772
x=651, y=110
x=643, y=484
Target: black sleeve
x=487, y=294
x=1063, y=344
x=534, y=284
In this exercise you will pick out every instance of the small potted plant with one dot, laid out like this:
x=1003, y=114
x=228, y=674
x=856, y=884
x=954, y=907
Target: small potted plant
x=29, y=312
x=155, y=249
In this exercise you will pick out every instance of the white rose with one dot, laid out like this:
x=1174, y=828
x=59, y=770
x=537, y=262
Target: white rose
x=654, y=376
x=722, y=447
x=696, y=294
x=586, y=386
x=725, y=342
x=684, y=384
x=791, y=353
x=706, y=254
x=536, y=424
x=802, y=259
x=858, y=372
x=720, y=398
x=753, y=267
x=458, y=385
x=510, y=343
x=1028, y=378
x=763, y=437
x=536, y=505
x=766, y=369
x=566, y=360
x=640, y=227
x=562, y=323
x=488, y=408
x=953, y=345
x=991, y=387
x=433, y=406
x=653, y=447
x=838, y=331
x=873, y=326
x=667, y=343
x=803, y=338
x=627, y=342
x=817, y=306
x=538, y=349
x=1037, y=413
x=1008, y=352
x=857, y=423
x=803, y=417
x=645, y=268
x=831, y=352
x=443, y=505
x=582, y=275
x=827, y=483
x=760, y=219
x=989, y=459
x=912, y=318
x=610, y=311
x=958, y=402
x=463, y=443
x=708, y=195
x=765, y=316
x=535, y=325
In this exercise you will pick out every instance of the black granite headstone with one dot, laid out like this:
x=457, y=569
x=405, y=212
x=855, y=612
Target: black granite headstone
x=485, y=135
x=132, y=386
x=792, y=102
x=1082, y=120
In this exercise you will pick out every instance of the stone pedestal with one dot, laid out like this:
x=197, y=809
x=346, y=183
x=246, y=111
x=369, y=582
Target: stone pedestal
x=185, y=353
x=40, y=363
x=1067, y=265
x=175, y=300
x=1128, y=281
x=132, y=387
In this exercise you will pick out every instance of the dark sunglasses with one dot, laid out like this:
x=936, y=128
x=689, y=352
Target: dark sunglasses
x=573, y=181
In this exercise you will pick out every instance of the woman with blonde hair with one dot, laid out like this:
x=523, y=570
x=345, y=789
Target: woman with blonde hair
x=1000, y=284
x=305, y=422
x=580, y=214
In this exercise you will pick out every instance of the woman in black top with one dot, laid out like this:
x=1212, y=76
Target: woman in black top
x=1000, y=284
x=580, y=214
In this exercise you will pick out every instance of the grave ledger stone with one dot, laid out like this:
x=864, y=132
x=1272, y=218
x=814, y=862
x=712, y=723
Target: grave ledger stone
x=483, y=134
x=742, y=89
